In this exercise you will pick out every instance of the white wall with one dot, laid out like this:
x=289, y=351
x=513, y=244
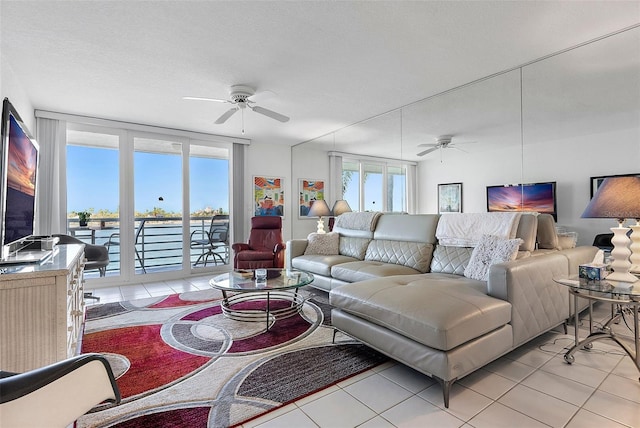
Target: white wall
x=268, y=160
x=310, y=164
x=11, y=88
x=569, y=162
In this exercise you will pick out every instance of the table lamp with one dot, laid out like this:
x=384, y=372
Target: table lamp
x=319, y=209
x=339, y=207
x=617, y=197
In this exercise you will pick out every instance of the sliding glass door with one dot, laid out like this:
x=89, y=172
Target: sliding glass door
x=157, y=195
x=159, y=203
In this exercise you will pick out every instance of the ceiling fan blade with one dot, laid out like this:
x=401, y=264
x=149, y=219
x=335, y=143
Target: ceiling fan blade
x=262, y=96
x=458, y=148
x=427, y=151
x=270, y=113
x=217, y=100
x=226, y=115
x=427, y=145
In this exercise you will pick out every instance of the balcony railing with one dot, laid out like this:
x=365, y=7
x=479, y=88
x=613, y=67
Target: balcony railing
x=158, y=244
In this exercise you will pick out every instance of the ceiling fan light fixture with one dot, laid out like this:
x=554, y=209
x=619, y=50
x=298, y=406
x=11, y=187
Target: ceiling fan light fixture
x=240, y=97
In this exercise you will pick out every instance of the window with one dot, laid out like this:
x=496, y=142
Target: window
x=147, y=194
x=374, y=186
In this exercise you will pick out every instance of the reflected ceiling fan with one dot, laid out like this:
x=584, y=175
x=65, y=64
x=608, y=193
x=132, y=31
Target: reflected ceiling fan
x=442, y=142
x=241, y=98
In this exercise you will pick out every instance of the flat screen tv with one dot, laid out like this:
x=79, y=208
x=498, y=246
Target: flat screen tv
x=539, y=197
x=19, y=167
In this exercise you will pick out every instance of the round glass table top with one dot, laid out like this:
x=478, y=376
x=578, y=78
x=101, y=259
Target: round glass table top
x=244, y=280
x=631, y=289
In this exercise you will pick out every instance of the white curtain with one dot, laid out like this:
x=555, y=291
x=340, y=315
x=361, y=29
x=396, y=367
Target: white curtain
x=52, y=200
x=240, y=218
x=411, y=189
x=335, y=178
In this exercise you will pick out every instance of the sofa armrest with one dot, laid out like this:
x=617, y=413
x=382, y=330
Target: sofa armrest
x=579, y=255
x=294, y=248
x=538, y=303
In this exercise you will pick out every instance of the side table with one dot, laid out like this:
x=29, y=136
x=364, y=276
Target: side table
x=622, y=296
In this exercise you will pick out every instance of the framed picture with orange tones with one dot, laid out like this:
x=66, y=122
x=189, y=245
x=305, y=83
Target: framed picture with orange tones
x=268, y=196
x=309, y=191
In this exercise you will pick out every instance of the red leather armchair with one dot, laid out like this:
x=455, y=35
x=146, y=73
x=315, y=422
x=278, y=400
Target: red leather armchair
x=265, y=248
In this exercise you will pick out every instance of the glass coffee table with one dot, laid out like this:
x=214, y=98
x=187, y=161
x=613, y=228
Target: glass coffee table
x=241, y=291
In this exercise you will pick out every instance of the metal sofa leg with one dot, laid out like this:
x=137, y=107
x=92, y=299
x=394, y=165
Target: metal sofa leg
x=446, y=388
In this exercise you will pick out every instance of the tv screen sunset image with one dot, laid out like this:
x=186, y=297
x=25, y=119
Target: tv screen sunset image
x=21, y=161
x=534, y=197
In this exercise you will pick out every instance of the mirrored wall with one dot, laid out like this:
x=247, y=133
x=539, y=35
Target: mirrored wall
x=563, y=119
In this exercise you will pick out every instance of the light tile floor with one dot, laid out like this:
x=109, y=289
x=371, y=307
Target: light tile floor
x=530, y=387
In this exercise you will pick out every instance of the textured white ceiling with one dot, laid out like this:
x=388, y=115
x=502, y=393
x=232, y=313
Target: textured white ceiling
x=328, y=64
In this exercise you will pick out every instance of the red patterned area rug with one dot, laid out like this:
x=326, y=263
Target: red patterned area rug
x=180, y=362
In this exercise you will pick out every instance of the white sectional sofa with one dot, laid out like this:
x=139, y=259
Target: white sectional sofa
x=397, y=289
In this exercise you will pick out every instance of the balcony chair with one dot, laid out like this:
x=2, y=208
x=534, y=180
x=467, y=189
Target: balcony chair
x=97, y=257
x=265, y=248
x=210, y=242
x=114, y=240
x=57, y=394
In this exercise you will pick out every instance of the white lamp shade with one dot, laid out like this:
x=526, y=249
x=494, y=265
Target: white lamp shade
x=319, y=209
x=340, y=207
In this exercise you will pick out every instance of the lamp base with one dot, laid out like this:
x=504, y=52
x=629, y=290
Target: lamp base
x=620, y=254
x=622, y=277
x=635, y=248
x=320, y=226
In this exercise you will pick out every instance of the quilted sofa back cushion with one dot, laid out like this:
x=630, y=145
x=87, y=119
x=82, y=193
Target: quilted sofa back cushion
x=353, y=246
x=452, y=260
x=416, y=255
x=409, y=228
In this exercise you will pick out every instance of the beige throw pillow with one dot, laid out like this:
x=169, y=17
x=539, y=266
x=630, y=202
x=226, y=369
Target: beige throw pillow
x=327, y=244
x=490, y=250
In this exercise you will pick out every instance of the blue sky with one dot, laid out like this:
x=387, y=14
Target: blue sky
x=92, y=181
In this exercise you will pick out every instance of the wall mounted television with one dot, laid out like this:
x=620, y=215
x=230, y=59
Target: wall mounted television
x=18, y=171
x=539, y=197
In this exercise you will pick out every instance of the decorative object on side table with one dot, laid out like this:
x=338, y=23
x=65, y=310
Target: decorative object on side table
x=319, y=209
x=619, y=198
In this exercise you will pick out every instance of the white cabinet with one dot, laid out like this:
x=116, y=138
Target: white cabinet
x=42, y=310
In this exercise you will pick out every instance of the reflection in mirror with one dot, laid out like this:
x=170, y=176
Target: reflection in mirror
x=564, y=118
x=483, y=120
x=581, y=118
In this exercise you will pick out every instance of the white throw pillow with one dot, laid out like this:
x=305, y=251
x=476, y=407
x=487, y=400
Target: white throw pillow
x=490, y=250
x=327, y=244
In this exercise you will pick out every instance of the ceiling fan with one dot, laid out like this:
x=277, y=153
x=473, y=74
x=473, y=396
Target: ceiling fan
x=442, y=142
x=241, y=98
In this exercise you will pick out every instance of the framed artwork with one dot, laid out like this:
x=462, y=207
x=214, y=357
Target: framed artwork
x=309, y=191
x=597, y=181
x=268, y=196
x=450, y=198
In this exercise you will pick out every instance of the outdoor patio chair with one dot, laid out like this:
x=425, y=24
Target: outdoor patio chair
x=212, y=242
x=265, y=248
x=114, y=240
